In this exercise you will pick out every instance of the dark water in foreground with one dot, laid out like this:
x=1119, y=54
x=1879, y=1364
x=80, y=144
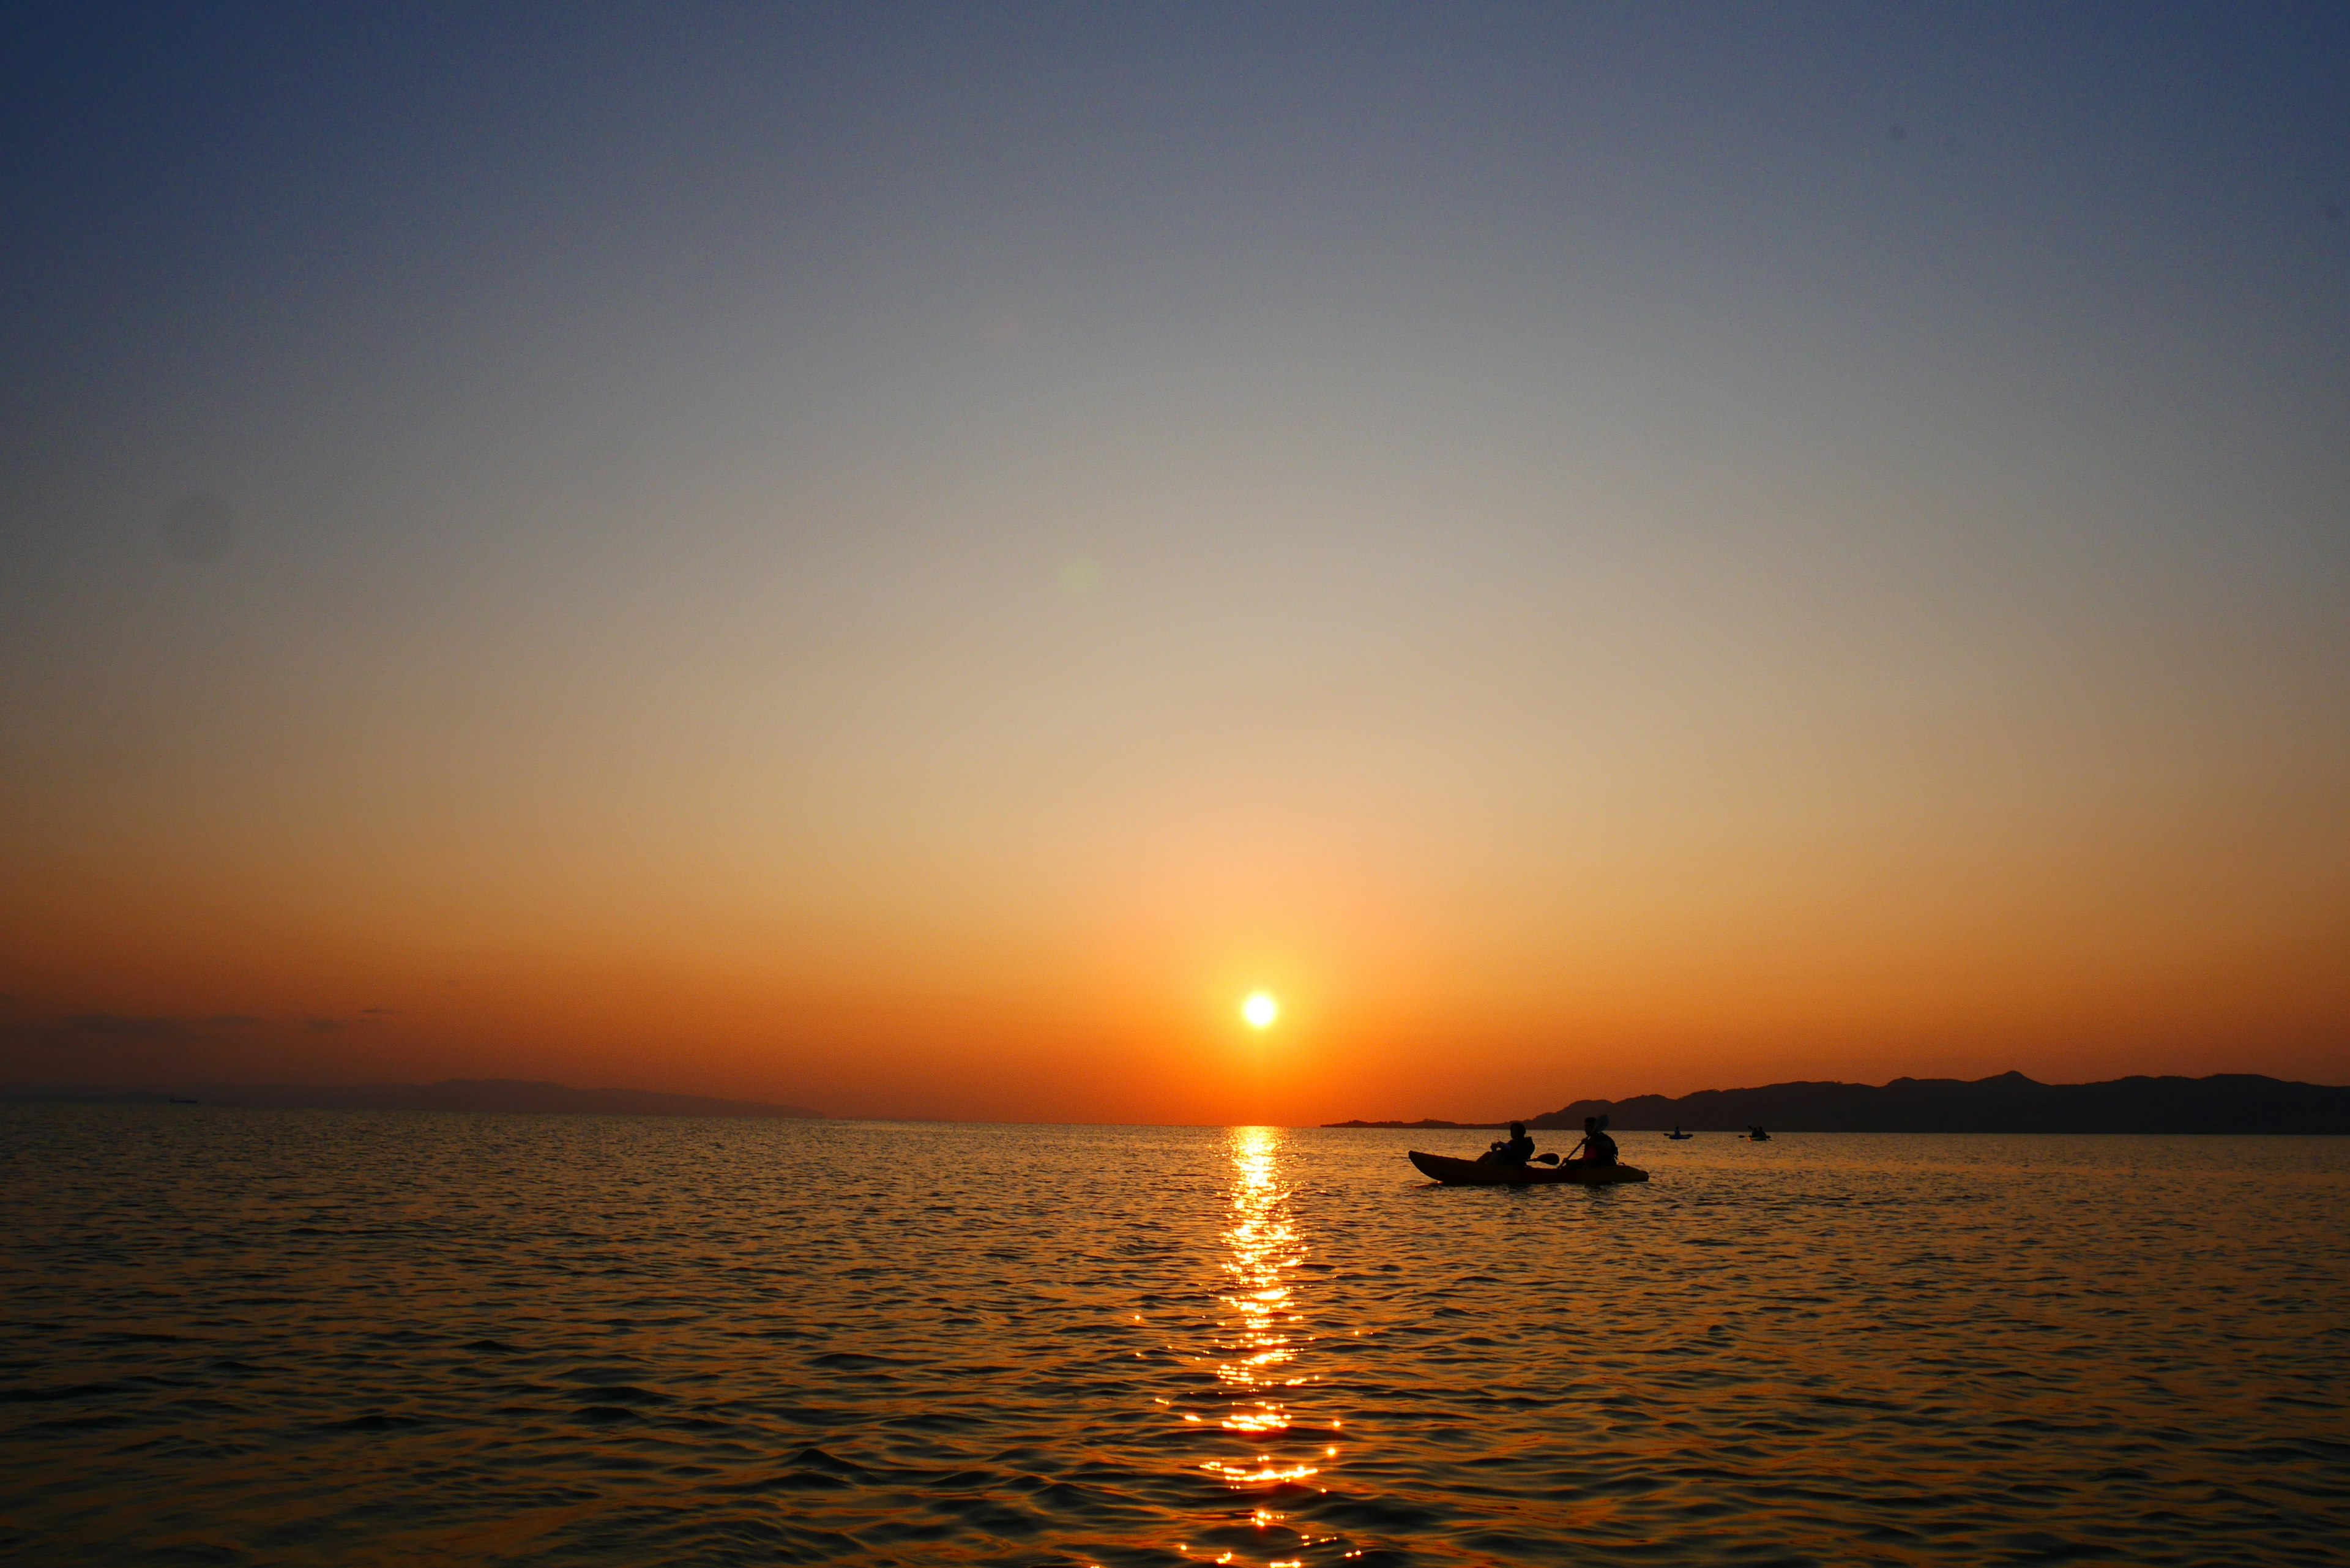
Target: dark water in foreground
x=304, y=1337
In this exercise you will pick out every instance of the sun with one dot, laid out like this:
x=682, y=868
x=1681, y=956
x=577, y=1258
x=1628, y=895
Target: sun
x=1260, y=1010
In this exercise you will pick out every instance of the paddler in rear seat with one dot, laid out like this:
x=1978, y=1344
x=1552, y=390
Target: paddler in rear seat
x=1516, y=1150
x=1596, y=1148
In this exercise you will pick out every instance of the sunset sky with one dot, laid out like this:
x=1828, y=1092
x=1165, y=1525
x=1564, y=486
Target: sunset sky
x=907, y=560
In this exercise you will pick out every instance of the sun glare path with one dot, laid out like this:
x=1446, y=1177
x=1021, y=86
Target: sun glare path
x=1260, y=1010
x=1259, y=1337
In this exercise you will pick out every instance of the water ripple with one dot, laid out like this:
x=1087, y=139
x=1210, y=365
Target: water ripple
x=293, y=1337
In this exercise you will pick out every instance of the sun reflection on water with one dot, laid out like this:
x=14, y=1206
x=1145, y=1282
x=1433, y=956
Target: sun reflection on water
x=1260, y=1332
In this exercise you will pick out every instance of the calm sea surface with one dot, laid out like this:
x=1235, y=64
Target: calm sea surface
x=299, y=1337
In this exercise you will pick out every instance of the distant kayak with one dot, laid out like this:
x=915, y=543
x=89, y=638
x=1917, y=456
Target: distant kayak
x=1454, y=1172
x=1681, y=1136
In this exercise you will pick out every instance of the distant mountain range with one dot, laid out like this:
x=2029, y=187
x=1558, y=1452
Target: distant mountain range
x=2011, y=1103
x=450, y=1094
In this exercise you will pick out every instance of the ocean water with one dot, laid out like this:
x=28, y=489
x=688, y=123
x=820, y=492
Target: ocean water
x=298, y=1337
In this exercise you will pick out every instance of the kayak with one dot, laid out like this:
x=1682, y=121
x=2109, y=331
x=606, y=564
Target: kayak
x=1469, y=1173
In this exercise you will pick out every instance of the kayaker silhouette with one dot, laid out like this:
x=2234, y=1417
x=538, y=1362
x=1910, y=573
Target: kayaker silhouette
x=1518, y=1149
x=1596, y=1148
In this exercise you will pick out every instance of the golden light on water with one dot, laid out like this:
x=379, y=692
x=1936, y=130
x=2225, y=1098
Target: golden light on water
x=1262, y=1337
x=1260, y=1010
x=1256, y=1445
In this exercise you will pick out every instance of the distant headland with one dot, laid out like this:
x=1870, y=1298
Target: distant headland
x=510, y=1094
x=2011, y=1103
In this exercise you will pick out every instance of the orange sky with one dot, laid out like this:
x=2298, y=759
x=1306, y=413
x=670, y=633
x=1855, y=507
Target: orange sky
x=1068, y=955
x=909, y=580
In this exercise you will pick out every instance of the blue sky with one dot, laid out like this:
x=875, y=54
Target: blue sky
x=1646, y=499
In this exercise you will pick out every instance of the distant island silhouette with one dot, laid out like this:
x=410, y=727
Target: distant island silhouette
x=2010, y=1102
x=450, y=1094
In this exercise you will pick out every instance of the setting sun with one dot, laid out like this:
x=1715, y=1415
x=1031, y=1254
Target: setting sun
x=1260, y=1010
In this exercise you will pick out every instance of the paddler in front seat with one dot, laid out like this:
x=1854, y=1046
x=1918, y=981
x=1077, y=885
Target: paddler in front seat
x=1596, y=1148
x=1518, y=1149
